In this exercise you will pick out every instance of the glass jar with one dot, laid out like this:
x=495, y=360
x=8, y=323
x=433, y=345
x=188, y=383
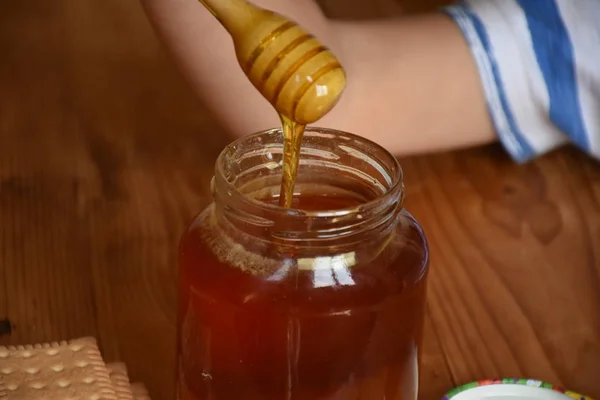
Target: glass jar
x=324, y=300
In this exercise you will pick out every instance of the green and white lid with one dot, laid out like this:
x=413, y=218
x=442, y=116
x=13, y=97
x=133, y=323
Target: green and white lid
x=511, y=389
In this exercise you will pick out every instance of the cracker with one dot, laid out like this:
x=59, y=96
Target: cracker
x=139, y=391
x=120, y=380
x=2, y=389
x=72, y=370
x=124, y=388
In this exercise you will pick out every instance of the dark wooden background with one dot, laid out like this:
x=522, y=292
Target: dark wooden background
x=105, y=155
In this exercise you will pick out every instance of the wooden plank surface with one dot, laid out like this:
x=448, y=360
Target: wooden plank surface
x=105, y=155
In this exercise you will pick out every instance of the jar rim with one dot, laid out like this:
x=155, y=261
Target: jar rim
x=395, y=186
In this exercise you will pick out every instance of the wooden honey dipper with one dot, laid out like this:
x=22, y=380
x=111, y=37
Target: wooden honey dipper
x=300, y=77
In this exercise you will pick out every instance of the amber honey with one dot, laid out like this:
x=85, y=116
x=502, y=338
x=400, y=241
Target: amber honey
x=256, y=324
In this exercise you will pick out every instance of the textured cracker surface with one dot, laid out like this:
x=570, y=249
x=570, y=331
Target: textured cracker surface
x=2, y=389
x=120, y=380
x=71, y=370
x=139, y=391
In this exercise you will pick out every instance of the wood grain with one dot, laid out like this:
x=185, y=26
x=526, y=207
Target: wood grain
x=105, y=155
x=515, y=288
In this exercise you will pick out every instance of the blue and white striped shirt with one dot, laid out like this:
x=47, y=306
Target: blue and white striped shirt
x=539, y=62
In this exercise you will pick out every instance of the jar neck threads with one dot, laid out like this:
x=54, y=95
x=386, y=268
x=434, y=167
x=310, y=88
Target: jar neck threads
x=332, y=163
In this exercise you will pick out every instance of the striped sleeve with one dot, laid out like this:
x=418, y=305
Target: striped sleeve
x=539, y=63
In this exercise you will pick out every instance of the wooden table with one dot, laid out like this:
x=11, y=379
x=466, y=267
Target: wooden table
x=105, y=155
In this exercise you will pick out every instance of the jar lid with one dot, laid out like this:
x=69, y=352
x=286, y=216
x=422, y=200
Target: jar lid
x=513, y=389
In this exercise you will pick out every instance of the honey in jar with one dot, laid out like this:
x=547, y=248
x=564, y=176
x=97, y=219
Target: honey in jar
x=323, y=300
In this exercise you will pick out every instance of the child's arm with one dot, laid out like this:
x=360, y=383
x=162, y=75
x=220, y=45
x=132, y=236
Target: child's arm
x=412, y=83
x=424, y=83
x=539, y=62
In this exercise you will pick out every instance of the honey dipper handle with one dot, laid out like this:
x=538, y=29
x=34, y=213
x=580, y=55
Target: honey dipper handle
x=234, y=15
